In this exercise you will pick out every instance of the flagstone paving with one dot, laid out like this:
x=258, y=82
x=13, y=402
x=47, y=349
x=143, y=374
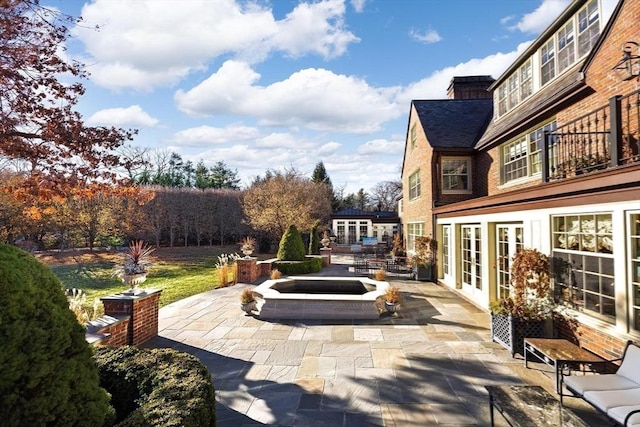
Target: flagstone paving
x=426, y=365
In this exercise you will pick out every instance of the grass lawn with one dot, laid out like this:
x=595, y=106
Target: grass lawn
x=179, y=271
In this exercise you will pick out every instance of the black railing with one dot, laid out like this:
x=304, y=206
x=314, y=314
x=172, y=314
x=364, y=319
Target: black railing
x=604, y=138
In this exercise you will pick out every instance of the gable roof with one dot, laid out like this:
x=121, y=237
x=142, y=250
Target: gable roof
x=454, y=123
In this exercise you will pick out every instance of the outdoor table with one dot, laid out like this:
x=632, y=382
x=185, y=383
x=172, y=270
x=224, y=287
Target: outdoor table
x=530, y=406
x=558, y=353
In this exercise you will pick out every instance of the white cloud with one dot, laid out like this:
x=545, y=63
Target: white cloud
x=316, y=99
x=358, y=5
x=428, y=37
x=328, y=149
x=132, y=116
x=536, y=21
x=380, y=146
x=435, y=86
x=209, y=135
x=146, y=43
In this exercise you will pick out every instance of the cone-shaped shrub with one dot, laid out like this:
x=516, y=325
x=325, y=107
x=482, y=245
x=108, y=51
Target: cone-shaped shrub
x=47, y=374
x=314, y=240
x=291, y=246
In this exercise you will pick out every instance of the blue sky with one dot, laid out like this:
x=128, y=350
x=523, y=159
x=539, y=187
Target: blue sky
x=272, y=85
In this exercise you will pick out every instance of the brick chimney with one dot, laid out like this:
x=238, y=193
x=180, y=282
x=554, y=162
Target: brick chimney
x=470, y=87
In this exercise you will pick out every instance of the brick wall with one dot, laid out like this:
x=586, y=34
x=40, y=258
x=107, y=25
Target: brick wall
x=248, y=270
x=143, y=312
x=596, y=341
x=418, y=158
x=109, y=330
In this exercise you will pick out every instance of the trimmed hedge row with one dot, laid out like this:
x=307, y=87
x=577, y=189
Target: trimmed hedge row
x=310, y=265
x=156, y=387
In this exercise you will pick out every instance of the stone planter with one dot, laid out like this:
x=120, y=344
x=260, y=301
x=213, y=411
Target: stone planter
x=134, y=280
x=510, y=331
x=391, y=307
x=422, y=272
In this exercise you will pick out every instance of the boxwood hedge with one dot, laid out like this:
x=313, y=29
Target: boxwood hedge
x=156, y=387
x=291, y=268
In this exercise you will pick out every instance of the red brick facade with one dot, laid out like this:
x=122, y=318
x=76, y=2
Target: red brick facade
x=248, y=270
x=142, y=310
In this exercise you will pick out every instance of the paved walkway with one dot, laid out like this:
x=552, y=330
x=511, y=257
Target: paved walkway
x=424, y=366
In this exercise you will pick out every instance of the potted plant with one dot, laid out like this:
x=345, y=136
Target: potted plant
x=135, y=266
x=247, y=246
x=529, y=306
x=423, y=258
x=397, y=248
x=392, y=299
x=380, y=274
x=247, y=300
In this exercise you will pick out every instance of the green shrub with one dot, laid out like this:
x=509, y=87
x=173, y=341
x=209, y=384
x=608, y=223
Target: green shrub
x=310, y=265
x=291, y=246
x=314, y=240
x=157, y=387
x=47, y=374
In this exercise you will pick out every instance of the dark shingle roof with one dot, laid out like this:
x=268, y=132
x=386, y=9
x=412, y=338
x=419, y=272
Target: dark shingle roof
x=454, y=123
x=359, y=212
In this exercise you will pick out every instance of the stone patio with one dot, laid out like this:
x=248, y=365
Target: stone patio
x=424, y=366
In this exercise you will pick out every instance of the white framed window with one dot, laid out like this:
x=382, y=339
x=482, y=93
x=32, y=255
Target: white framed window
x=547, y=62
x=414, y=229
x=456, y=175
x=566, y=47
x=414, y=185
x=502, y=100
x=588, y=27
x=521, y=157
x=572, y=42
x=526, y=81
x=584, y=263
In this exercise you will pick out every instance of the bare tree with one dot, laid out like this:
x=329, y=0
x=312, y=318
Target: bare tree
x=283, y=199
x=384, y=195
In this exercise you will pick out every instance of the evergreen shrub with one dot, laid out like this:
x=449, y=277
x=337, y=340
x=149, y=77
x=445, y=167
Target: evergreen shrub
x=157, y=387
x=314, y=241
x=291, y=268
x=47, y=373
x=291, y=246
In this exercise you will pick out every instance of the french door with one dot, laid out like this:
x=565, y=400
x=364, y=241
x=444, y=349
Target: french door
x=471, y=259
x=508, y=241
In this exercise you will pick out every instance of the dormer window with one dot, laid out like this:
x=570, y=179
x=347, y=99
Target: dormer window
x=554, y=56
x=588, y=27
x=547, y=62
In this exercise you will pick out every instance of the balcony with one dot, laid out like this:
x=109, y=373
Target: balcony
x=605, y=138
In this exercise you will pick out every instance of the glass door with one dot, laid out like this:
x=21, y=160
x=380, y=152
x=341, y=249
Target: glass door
x=471, y=259
x=508, y=241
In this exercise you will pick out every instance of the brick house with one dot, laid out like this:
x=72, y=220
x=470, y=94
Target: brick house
x=555, y=167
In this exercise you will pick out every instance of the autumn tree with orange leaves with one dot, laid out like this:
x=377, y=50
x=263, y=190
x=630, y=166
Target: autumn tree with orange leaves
x=45, y=147
x=38, y=126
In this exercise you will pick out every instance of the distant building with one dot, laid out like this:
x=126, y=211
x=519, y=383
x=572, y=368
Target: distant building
x=351, y=226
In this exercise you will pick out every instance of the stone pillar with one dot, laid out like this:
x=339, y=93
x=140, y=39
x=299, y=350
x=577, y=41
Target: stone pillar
x=143, y=310
x=248, y=270
x=326, y=256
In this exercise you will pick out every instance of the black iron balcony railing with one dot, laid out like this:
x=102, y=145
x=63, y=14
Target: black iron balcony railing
x=604, y=138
